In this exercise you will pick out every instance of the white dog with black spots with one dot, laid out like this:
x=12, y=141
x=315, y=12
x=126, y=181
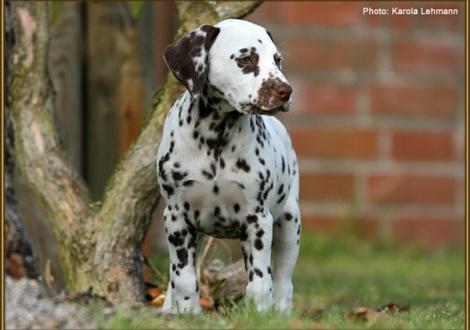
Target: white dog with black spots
x=226, y=166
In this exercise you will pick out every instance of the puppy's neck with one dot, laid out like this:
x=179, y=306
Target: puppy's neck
x=213, y=100
x=218, y=122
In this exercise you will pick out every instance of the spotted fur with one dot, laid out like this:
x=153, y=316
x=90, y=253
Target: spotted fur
x=226, y=167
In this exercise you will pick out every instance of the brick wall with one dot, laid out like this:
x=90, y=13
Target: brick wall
x=378, y=117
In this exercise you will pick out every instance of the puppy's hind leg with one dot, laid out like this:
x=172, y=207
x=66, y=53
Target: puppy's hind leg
x=286, y=235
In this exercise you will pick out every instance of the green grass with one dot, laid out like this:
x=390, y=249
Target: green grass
x=335, y=275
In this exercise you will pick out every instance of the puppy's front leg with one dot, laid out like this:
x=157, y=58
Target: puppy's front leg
x=183, y=292
x=256, y=239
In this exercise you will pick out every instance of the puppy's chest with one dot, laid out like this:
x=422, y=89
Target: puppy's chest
x=223, y=174
x=244, y=164
x=231, y=147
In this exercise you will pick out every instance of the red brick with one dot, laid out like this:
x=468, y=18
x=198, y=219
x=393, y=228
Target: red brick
x=335, y=142
x=323, y=98
x=318, y=54
x=427, y=56
x=413, y=99
x=422, y=145
x=327, y=186
x=429, y=231
x=325, y=14
x=266, y=13
x=325, y=223
x=402, y=22
x=364, y=227
x=411, y=189
x=330, y=54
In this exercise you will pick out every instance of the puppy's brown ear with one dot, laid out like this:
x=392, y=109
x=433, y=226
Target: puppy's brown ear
x=188, y=57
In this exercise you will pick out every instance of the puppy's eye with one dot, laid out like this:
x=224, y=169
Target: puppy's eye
x=277, y=60
x=245, y=60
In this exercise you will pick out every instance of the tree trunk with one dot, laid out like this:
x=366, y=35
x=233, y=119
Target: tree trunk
x=114, y=88
x=20, y=257
x=99, y=243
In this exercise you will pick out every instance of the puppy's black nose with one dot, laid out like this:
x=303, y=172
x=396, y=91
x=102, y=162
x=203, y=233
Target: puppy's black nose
x=284, y=91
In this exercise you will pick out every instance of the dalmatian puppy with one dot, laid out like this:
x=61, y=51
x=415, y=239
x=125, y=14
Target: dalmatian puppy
x=226, y=166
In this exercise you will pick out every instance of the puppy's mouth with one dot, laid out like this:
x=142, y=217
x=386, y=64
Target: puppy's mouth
x=256, y=110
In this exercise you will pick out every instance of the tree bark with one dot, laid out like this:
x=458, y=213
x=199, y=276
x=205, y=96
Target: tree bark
x=99, y=243
x=20, y=257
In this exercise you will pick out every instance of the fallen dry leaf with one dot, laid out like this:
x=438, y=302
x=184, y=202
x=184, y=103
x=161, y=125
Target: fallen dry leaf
x=392, y=307
x=158, y=301
x=206, y=303
x=310, y=312
x=16, y=268
x=366, y=314
x=154, y=292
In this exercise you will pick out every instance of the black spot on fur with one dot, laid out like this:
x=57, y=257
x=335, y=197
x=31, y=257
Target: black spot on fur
x=243, y=232
x=258, y=244
x=252, y=218
x=182, y=254
x=176, y=239
x=258, y=272
x=188, y=183
x=178, y=176
x=207, y=175
x=243, y=165
x=168, y=189
x=279, y=201
x=236, y=208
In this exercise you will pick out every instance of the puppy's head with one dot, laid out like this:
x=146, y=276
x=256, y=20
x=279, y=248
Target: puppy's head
x=236, y=57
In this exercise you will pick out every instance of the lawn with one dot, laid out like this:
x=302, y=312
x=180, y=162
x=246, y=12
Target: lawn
x=333, y=278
